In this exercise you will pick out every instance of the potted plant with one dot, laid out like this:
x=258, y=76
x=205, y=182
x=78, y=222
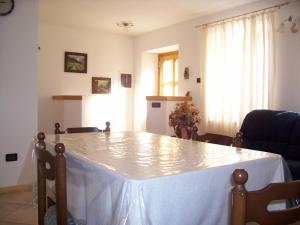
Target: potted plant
x=184, y=117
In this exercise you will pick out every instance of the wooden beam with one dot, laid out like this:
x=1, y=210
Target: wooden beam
x=15, y=188
x=169, y=98
x=67, y=97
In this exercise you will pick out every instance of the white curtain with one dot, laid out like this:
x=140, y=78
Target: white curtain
x=237, y=63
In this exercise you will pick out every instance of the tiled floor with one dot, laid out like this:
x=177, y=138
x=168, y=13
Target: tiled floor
x=16, y=209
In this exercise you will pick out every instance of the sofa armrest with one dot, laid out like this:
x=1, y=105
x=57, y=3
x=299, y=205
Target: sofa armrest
x=238, y=140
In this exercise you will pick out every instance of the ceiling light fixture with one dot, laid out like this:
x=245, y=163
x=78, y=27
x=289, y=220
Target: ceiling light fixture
x=126, y=25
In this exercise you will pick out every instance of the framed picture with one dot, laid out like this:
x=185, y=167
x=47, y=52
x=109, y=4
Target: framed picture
x=126, y=80
x=101, y=85
x=75, y=62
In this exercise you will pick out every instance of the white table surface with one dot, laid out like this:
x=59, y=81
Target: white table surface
x=137, y=178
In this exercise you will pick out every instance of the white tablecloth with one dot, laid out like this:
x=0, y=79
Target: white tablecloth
x=136, y=178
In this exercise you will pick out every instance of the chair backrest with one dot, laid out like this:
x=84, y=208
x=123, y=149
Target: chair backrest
x=268, y=130
x=82, y=130
x=52, y=168
x=252, y=206
x=211, y=138
x=88, y=129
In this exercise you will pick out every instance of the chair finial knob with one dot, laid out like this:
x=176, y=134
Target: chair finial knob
x=57, y=125
x=57, y=128
x=41, y=136
x=195, y=129
x=107, y=129
x=239, y=135
x=240, y=176
x=59, y=148
x=41, y=141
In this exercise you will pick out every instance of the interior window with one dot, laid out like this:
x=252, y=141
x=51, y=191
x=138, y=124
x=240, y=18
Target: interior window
x=168, y=74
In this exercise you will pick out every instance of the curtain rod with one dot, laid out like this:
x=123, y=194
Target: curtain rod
x=244, y=14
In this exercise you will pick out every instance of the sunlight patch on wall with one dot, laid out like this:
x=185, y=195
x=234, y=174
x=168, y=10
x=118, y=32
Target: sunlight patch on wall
x=147, y=87
x=99, y=108
x=96, y=110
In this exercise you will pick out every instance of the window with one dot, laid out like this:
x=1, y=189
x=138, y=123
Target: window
x=168, y=74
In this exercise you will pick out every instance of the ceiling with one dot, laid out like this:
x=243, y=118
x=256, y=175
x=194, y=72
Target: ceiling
x=146, y=15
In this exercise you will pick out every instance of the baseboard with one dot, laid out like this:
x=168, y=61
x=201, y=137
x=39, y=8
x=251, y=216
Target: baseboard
x=25, y=187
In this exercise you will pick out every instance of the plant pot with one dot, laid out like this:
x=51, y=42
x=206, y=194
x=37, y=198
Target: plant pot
x=183, y=132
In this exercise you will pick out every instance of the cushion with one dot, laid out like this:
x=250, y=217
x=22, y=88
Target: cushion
x=293, y=150
x=266, y=146
x=50, y=217
x=269, y=125
x=294, y=167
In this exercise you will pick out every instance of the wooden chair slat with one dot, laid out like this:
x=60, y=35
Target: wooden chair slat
x=82, y=130
x=70, y=130
x=46, y=158
x=57, y=172
x=252, y=206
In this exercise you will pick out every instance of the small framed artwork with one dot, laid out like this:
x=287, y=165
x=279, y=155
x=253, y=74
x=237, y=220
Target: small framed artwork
x=101, y=85
x=126, y=80
x=186, y=73
x=75, y=62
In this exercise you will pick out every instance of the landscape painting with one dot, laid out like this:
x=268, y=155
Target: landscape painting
x=75, y=62
x=101, y=85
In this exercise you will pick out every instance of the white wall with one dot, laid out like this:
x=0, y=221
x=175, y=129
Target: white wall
x=188, y=39
x=18, y=91
x=288, y=62
x=108, y=56
x=146, y=85
x=68, y=113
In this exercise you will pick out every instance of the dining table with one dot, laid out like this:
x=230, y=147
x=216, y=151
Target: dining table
x=140, y=178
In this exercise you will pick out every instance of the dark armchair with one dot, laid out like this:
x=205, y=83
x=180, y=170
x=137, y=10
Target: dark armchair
x=273, y=131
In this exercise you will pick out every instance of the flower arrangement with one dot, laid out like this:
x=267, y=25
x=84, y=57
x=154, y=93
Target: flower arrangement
x=185, y=114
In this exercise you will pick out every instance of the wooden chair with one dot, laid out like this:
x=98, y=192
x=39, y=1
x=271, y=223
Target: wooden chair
x=88, y=129
x=252, y=206
x=57, y=172
x=211, y=138
x=82, y=130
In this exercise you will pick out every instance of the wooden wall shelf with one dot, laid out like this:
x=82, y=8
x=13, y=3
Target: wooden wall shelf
x=169, y=98
x=67, y=97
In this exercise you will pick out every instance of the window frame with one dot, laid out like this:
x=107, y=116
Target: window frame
x=162, y=57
